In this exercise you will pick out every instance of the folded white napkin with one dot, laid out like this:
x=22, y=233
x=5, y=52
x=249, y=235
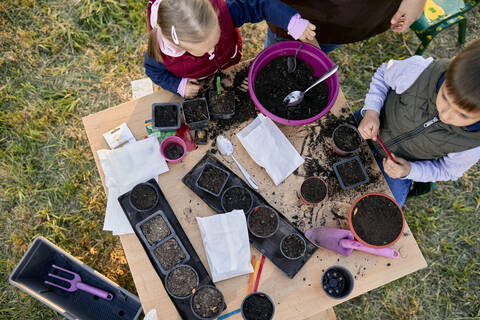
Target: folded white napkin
x=269, y=148
x=225, y=238
x=123, y=169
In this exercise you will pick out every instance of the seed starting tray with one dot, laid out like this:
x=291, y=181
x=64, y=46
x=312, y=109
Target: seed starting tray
x=270, y=247
x=164, y=210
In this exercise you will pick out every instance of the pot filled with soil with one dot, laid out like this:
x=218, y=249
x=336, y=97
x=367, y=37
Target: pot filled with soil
x=237, y=197
x=350, y=173
x=313, y=190
x=221, y=106
x=212, y=179
x=170, y=253
x=346, y=139
x=173, y=149
x=201, y=137
x=376, y=220
x=207, y=302
x=263, y=222
x=269, y=83
x=154, y=229
x=166, y=116
x=195, y=113
x=293, y=246
x=182, y=281
x=337, y=282
x=257, y=306
x=143, y=197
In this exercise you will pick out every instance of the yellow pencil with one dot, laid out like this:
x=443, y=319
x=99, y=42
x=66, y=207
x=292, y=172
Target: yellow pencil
x=250, y=286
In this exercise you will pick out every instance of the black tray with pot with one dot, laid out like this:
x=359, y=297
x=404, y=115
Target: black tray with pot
x=270, y=246
x=167, y=233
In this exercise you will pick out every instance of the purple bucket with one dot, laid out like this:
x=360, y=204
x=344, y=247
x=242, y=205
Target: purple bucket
x=310, y=54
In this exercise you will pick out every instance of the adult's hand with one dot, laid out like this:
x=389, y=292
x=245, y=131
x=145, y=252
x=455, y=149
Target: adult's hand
x=192, y=88
x=369, y=125
x=408, y=12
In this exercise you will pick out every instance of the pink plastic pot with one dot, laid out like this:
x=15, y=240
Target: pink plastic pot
x=310, y=54
x=168, y=141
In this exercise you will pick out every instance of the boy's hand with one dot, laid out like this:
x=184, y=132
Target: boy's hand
x=309, y=34
x=408, y=12
x=369, y=125
x=399, y=168
x=192, y=88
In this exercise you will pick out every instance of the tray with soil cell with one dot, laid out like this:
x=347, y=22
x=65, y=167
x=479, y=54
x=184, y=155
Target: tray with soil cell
x=350, y=173
x=195, y=113
x=270, y=245
x=166, y=244
x=166, y=116
x=221, y=106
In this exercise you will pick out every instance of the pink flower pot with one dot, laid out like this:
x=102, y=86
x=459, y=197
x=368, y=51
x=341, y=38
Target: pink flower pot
x=168, y=141
x=310, y=54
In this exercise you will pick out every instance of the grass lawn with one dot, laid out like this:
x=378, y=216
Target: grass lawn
x=61, y=60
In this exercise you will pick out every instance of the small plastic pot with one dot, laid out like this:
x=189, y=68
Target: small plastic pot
x=208, y=164
x=169, y=141
x=304, y=246
x=337, y=282
x=225, y=193
x=197, y=316
x=276, y=220
x=201, y=137
x=197, y=123
x=336, y=148
x=265, y=298
x=142, y=185
x=224, y=98
x=170, y=272
x=311, y=202
x=344, y=186
x=351, y=226
x=156, y=107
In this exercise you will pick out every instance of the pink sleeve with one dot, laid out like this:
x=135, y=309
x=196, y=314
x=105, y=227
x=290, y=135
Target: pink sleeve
x=297, y=26
x=182, y=86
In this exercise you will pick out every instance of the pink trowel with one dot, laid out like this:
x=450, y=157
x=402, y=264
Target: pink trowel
x=342, y=241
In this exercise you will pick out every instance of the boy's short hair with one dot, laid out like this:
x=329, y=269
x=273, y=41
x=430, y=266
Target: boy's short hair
x=462, y=79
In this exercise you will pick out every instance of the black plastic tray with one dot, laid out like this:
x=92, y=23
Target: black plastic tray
x=163, y=208
x=270, y=247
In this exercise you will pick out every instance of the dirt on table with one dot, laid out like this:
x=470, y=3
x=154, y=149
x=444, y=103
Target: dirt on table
x=377, y=220
x=263, y=221
x=212, y=179
x=169, y=254
x=237, y=198
x=143, y=196
x=257, y=307
x=347, y=139
x=207, y=302
x=155, y=230
x=293, y=246
x=174, y=151
x=166, y=115
x=274, y=83
x=313, y=190
x=195, y=110
x=182, y=281
x=351, y=172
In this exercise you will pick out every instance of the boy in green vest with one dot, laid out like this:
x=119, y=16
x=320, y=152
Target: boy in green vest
x=428, y=115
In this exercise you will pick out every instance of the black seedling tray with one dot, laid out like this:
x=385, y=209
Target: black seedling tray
x=192, y=259
x=270, y=247
x=364, y=172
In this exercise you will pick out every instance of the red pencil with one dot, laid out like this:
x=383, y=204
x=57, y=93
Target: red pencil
x=259, y=273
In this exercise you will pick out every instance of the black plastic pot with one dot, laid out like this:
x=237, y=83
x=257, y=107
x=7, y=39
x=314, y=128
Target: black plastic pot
x=187, y=110
x=301, y=239
x=226, y=98
x=134, y=206
x=168, y=275
x=157, y=108
x=337, y=282
x=216, y=194
x=265, y=309
x=201, y=137
x=343, y=184
x=226, y=195
x=219, y=309
x=256, y=234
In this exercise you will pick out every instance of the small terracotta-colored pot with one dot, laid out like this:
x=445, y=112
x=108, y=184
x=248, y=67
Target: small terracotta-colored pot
x=339, y=151
x=314, y=203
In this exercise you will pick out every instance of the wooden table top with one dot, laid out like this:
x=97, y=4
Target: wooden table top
x=298, y=298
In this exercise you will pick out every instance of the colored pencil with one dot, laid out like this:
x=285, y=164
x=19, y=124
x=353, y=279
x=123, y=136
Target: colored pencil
x=259, y=273
x=250, y=280
x=257, y=264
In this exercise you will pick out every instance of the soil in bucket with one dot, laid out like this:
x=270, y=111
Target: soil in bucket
x=155, y=229
x=257, y=307
x=273, y=83
x=169, y=254
x=195, y=110
x=182, y=281
x=377, y=220
x=166, y=116
x=351, y=172
x=293, y=246
x=212, y=179
x=237, y=198
x=207, y=302
x=313, y=190
x=143, y=196
x=174, y=151
x=347, y=139
x=263, y=222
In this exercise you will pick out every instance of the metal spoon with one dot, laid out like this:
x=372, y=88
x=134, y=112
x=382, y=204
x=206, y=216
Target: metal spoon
x=295, y=97
x=225, y=147
x=292, y=60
